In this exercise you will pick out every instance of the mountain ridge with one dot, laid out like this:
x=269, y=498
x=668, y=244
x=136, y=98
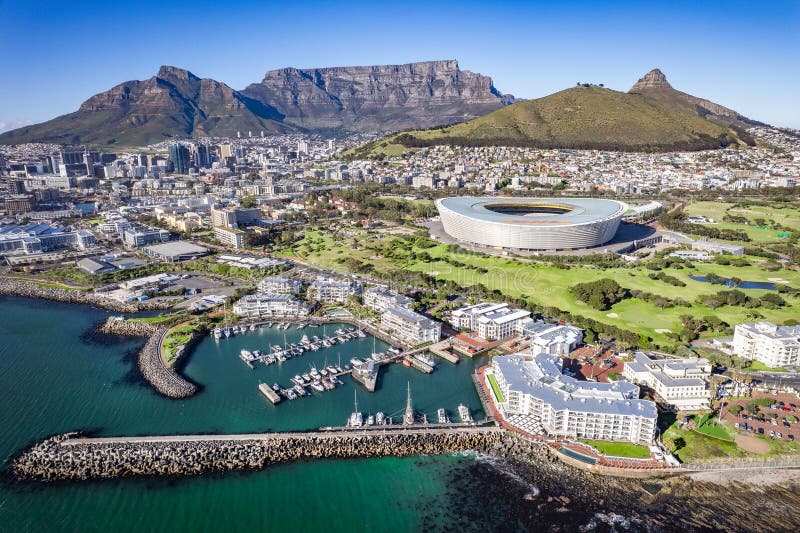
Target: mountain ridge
x=176, y=103
x=652, y=117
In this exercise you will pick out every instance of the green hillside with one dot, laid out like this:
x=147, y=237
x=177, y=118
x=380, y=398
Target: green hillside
x=580, y=117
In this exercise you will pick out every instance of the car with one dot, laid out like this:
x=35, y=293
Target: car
x=778, y=434
x=750, y=417
x=760, y=431
x=786, y=424
x=790, y=437
x=771, y=433
x=736, y=425
x=751, y=428
x=774, y=422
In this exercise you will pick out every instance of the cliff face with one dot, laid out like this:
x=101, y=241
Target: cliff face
x=655, y=85
x=175, y=103
x=378, y=98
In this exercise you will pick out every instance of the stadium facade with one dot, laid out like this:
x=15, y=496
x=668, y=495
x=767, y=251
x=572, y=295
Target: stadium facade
x=531, y=223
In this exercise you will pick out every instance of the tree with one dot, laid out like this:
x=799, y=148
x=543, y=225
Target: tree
x=249, y=202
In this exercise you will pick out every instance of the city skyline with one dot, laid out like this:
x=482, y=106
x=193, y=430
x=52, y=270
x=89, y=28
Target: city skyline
x=733, y=54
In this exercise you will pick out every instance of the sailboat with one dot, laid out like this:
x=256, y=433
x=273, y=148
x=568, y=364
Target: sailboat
x=356, y=419
x=408, y=416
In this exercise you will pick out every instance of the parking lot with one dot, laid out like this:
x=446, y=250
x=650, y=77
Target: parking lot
x=770, y=415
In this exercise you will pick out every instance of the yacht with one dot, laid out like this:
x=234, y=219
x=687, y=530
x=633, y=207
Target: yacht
x=463, y=412
x=217, y=332
x=317, y=386
x=441, y=415
x=380, y=418
x=370, y=420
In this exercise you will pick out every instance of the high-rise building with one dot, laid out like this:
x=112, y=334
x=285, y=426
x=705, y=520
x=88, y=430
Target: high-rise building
x=180, y=158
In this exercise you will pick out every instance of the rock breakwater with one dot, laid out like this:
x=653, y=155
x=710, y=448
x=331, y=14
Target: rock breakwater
x=164, y=380
x=126, y=328
x=30, y=289
x=64, y=457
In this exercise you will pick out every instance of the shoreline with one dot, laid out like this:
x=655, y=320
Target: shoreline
x=30, y=289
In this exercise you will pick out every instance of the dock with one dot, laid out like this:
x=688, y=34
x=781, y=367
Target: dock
x=419, y=365
x=271, y=395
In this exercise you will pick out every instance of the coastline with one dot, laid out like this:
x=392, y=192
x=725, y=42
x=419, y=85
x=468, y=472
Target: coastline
x=30, y=289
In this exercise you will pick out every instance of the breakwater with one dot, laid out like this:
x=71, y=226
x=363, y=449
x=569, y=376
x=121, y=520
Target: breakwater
x=126, y=328
x=164, y=380
x=31, y=289
x=65, y=457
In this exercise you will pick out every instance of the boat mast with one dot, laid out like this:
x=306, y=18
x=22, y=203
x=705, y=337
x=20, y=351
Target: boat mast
x=408, y=418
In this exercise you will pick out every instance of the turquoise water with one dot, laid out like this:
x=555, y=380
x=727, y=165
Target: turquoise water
x=54, y=378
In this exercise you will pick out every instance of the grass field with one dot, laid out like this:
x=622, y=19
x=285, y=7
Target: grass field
x=549, y=285
x=708, y=426
x=758, y=234
x=496, y=388
x=176, y=337
x=619, y=449
x=158, y=319
x=761, y=367
x=695, y=446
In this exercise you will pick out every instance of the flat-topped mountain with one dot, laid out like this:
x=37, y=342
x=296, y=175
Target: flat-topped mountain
x=652, y=117
x=175, y=103
x=378, y=98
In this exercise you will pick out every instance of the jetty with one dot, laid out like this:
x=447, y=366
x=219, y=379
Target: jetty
x=71, y=457
x=271, y=395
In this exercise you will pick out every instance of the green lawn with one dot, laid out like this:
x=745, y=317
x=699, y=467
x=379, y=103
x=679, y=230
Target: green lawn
x=619, y=449
x=496, y=388
x=158, y=319
x=708, y=426
x=759, y=235
x=761, y=367
x=175, y=338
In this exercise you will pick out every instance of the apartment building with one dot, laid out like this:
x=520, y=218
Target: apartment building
x=768, y=343
x=279, y=285
x=380, y=299
x=412, y=328
x=490, y=321
x=266, y=305
x=230, y=237
x=680, y=383
x=330, y=290
x=552, y=339
x=532, y=389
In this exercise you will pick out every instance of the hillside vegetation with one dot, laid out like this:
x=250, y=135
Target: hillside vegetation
x=580, y=117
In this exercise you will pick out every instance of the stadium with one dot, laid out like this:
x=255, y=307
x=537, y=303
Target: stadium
x=531, y=223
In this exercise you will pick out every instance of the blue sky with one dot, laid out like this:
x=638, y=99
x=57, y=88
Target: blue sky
x=745, y=55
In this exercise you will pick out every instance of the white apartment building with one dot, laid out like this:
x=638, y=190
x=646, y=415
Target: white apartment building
x=279, y=285
x=681, y=383
x=533, y=390
x=410, y=327
x=773, y=345
x=552, y=339
x=329, y=290
x=380, y=299
x=490, y=321
x=230, y=237
x=266, y=305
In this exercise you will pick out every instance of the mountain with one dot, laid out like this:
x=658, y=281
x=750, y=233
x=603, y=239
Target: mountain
x=652, y=117
x=175, y=103
x=378, y=98
x=655, y=85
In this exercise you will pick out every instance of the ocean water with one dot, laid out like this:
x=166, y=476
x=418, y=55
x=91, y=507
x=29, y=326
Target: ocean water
x=55, y=378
